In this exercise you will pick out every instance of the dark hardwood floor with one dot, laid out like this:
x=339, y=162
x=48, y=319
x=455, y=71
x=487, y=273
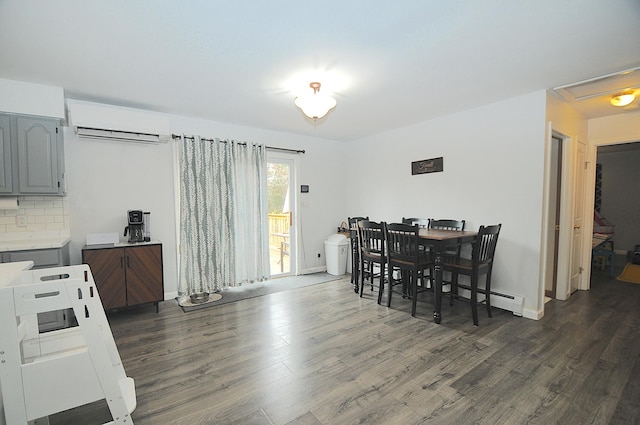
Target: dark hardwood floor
x=321, y=355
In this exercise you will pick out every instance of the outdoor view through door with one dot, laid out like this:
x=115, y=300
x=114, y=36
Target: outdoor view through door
x=281, y=205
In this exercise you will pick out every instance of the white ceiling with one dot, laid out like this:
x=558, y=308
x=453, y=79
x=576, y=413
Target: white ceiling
x=389, y=64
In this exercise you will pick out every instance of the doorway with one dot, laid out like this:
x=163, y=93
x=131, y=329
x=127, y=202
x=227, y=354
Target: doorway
x=555, y=198
x=281, y=210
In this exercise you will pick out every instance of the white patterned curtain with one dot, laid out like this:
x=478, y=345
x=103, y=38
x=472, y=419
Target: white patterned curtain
x=223, y=219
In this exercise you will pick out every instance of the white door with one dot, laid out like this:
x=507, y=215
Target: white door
x=578, y=215
x=280, y=186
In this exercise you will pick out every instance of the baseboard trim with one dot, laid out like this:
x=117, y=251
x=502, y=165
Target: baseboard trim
x=314, y=270
x=532, y=314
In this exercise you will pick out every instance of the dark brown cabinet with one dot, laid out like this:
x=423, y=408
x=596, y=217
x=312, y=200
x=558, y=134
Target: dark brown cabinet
x=126, y=275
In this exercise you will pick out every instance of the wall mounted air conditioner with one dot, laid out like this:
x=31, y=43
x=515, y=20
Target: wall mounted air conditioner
x=115, y=123
x=117, y=135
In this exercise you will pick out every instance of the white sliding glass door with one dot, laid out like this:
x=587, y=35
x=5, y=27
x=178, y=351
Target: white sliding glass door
x=280, y=186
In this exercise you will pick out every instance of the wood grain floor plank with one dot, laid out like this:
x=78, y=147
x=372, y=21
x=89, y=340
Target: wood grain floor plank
x=322, y=355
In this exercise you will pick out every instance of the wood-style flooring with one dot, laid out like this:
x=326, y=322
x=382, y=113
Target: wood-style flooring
x=321, y=355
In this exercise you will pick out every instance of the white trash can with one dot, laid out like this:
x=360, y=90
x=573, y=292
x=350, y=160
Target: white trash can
x=336, y=248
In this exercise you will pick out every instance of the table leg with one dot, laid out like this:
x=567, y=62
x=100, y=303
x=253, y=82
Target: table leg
x=437, y=290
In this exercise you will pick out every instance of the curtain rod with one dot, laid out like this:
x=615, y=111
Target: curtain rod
x=273, y=148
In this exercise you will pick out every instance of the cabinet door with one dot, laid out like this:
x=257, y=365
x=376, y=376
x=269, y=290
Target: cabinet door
x=144, y=274
x=107, y=268
x=6, y=185
x=41, y=258
x=37, y=155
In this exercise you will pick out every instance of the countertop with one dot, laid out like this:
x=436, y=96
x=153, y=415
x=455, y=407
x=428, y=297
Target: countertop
x=36, y=240
x=120, y=245
x=10, y=271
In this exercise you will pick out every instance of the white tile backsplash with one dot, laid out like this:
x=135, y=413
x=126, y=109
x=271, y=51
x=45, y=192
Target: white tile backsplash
x=40, y=213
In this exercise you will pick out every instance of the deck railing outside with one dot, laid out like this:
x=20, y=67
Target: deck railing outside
x=278, y=226
x=279, y=242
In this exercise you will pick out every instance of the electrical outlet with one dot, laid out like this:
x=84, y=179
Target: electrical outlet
x=318, y=254
x=22, y=220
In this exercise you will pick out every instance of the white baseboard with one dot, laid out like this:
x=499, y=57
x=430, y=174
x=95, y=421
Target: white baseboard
x=314, y=270
x=532, y=314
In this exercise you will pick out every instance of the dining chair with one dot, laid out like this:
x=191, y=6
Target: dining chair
x=404, y=255
x=372, y=254
x=422, y=222
x=355, y=251
x=480, y=263
x=448, y=224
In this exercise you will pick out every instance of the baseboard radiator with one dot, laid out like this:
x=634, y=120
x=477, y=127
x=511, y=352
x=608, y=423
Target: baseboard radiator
x=512, y=303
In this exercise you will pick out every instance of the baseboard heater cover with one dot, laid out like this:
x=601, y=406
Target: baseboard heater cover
x=512, y=303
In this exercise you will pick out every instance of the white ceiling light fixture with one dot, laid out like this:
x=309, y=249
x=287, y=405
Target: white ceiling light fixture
x=315, y=105
x=623, y=99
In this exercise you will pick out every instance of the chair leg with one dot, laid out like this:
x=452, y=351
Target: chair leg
x=612, y=262
x=362, y=273
x=488, y=293
x=454, y=287
x=381, y=287
x=414, y=293
x=353, y=267
x=474, y=298
x=390, y=286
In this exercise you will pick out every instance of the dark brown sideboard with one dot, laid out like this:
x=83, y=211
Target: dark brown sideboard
x=126, y=274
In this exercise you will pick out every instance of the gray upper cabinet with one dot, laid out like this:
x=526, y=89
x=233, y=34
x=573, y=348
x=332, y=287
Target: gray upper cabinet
x=33, y=158
x=6, y=185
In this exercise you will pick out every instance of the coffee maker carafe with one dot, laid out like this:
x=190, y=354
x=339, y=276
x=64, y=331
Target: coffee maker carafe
x=135, y=227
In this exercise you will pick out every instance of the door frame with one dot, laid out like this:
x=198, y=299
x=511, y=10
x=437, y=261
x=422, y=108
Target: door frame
x=563, y=274
x=561, y=271
x=555, y=197
x=291, y=160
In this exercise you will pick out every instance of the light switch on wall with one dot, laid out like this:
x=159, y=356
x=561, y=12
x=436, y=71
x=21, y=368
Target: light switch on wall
x=22, y=220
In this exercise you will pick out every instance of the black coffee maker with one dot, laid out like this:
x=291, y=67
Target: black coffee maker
x=135, y=227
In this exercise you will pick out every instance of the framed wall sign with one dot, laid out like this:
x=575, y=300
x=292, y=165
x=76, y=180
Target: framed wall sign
x=425, y=166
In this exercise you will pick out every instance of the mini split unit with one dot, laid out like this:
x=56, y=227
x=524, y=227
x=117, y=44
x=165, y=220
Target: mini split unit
x=118, y=135
x=112, y=123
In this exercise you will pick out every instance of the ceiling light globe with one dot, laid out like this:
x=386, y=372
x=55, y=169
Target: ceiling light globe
x=316, y=105
x=623, y=99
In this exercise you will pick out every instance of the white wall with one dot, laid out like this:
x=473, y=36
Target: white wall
x=614, y=129
x=18, y=97
x=493, y=173
x=105, y=179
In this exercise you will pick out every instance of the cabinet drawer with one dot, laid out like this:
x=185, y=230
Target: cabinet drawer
x=41, y=258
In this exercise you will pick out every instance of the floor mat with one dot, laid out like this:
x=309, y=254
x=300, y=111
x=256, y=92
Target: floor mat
x=252, y=290
x=630, y=274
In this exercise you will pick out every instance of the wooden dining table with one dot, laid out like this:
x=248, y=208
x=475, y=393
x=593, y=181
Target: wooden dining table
x=439, y=241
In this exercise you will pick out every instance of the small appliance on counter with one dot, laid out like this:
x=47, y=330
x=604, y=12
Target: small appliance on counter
x=146, y=219
x=136, y=226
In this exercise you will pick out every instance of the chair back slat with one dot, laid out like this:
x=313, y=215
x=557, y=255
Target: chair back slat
x=446, y=224
x=484, y=247
x=421, y=222
x=403, y=242
x=371, y=238
x=353, y=228
x=355, y=250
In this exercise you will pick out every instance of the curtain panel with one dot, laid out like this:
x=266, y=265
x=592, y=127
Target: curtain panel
x=223, y=236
